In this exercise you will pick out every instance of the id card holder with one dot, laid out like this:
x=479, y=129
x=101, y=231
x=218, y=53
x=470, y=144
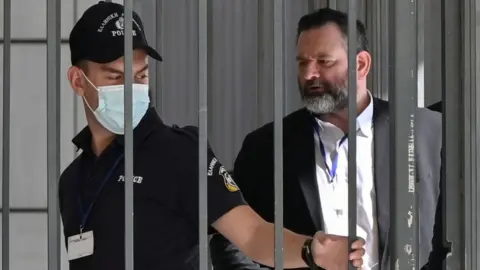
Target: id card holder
x=80, y=245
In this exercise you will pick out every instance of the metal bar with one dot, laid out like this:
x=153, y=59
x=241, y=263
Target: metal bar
x=420, y=53
x=159, y=37
x=7, y=20
x=371, y=19
x=352, y=124
x=25, y=210
x=471, y=130
x=30, y=40
x=203, y=131
x=384, y=48
x=128, y=106
x=475, y=75
x=452, y=126
x=403, y=92
x=76, y=99
x=374, y=16
x=265, y=62
x=279, y=75
x=53, y=130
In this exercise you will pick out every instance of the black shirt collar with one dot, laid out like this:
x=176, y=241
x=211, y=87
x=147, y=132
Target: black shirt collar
x=147, y=125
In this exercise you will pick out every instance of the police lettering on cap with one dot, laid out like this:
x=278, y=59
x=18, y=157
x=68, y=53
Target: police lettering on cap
x=98, y=36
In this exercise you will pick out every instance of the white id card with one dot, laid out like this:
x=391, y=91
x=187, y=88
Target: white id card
x=80, y=245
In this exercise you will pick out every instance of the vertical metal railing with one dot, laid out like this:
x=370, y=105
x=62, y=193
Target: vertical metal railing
x=128, y=106
x=352, y=124
x=373, y=34
x=384, y=48
x=471, y=128
x=7, y=12
x=279, y=84
x=203, y=131
x=76, y=98
x=452, y=129
x=420, y=53
x=157, y=94
x=403, y=99
x=53, y=130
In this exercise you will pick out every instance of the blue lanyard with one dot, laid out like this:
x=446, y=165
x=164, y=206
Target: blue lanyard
x=86, y=214
x=333, y=171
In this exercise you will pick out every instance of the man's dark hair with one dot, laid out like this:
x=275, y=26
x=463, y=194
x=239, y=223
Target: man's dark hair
x=324, y=16
x=83, y=65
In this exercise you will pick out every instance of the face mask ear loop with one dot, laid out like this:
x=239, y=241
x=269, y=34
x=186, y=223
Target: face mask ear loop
x=83, y=96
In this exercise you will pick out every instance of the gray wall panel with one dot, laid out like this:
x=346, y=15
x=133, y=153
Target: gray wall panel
x=232, y=96
x=28, y=245
x=180, y=62
x=265, y=81
x=28, y=18
x=28, y=129
x=29, y=112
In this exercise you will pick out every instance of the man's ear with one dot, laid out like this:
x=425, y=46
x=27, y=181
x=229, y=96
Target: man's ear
x=75, y=77
x=364, y=62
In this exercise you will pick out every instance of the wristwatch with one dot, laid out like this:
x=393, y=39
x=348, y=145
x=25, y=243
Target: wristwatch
x=307, y=255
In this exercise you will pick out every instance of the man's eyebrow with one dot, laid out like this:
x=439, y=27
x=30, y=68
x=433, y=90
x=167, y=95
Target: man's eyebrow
x=117, y=71
x=143, y=69
x=320, y=55
x=112, y=70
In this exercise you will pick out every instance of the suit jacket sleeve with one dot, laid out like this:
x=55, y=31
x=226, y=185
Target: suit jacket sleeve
x=225, y=255
x=439, y=251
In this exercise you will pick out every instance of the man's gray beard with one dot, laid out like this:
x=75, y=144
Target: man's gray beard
x=326, y=103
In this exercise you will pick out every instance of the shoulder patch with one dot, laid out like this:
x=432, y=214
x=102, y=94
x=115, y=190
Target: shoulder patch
x=228, y=180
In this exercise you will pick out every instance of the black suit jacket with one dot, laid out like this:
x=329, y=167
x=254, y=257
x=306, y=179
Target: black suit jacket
x=254, y=173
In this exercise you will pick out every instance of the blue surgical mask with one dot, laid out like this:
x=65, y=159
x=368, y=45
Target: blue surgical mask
x=110, y=110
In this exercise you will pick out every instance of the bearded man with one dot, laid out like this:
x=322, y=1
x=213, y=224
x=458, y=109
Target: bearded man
x=315, y=154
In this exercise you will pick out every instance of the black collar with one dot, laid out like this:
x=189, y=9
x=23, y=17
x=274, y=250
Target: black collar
x=150, y=122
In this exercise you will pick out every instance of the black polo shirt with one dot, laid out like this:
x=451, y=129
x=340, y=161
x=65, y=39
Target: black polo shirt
x=165, y=197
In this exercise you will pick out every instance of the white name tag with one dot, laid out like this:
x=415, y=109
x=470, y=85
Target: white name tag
x=80, y=245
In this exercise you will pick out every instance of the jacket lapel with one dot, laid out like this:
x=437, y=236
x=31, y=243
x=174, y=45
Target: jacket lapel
x=305, y=165
x=381, y=175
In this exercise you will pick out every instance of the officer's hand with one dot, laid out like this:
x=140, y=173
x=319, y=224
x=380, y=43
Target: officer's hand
x=331, y=251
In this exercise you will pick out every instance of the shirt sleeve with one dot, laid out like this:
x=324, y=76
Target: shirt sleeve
x=223, y=193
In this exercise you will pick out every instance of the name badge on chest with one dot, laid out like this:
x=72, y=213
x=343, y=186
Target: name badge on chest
x=80, y=245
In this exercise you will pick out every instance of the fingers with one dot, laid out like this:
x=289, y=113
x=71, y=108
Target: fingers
x=358, y=263
x=357, y=254
x=320, y=236
x=358, y=244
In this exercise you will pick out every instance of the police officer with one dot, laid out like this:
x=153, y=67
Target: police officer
x=91, y=189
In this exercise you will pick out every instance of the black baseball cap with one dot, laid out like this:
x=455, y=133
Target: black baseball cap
x=98, y=36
